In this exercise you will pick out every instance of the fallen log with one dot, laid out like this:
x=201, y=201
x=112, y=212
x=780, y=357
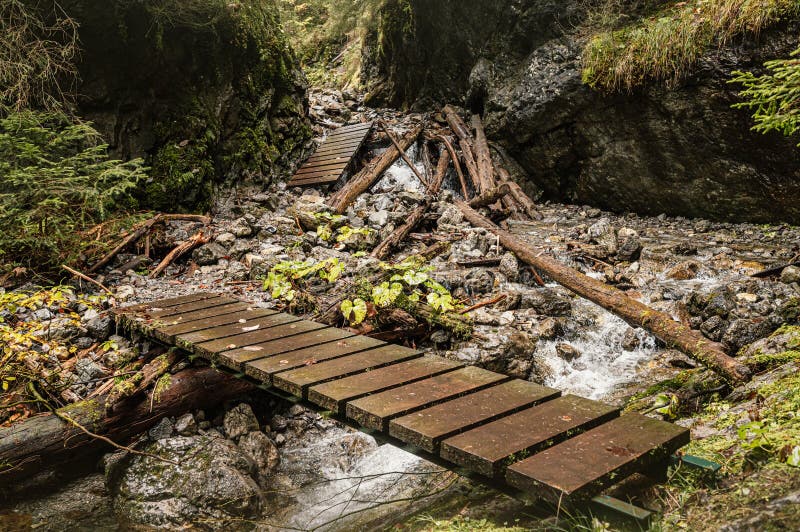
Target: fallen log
x=483, y=157
x=367, y=177
x=465, y=143
x=491, y=197
x=456, y=165
x=515, y=191
x=660, y=324
x=45, y=441
x=399, y=235
x=197, y=240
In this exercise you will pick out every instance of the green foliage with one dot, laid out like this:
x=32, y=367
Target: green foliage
x=666, y=47
x=328, y=35
x=354, y=311
x=56, y=180
x=286, y=278
x=774, y=97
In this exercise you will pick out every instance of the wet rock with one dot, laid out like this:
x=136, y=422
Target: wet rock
x=714, y=327
x=790, y=274
x=567, y=351
x=124, y=292
x=509, y=266
x=59, y=329
x=207, y=479
x=451, y=216
x=631, y=340
x=630, y=245
x=186, y=425
x=100, y=327
x=549, y=329
x=239, y=421
x=546, y=301
x=243, y=227
x=789, y=311
x=745, y=331
x=225, y=239
x=305, y=209
x=208, y=254
x=602, y=233
x=86, y=370
x=43, y=314
x=262, y=451
x=379, y=218
x=684, y=271
x=163, y=429
x=719, y=303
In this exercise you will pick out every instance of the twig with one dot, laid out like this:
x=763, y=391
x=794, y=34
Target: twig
x=403, y=154
x=88, y=279
x=197, y=240
x=485, y=303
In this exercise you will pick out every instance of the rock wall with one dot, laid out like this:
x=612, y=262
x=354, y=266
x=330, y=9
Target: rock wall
x=681, y=152
x=206, y=90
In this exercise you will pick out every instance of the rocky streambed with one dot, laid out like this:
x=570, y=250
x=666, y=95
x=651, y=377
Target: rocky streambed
x=260, y=463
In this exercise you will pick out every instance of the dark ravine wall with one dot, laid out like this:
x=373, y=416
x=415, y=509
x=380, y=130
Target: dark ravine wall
x=681, y=152
x=207, y=91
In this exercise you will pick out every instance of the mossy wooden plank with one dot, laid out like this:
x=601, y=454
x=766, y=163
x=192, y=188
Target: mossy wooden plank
x=584, y=465
x=297, y=381
x=426, y=428
x=375, y=411
x=335, y=394
x=165, y=313
x=264, y=368
x=489, y=448
x=266, y=334
x=237, y=357
x=165, y=303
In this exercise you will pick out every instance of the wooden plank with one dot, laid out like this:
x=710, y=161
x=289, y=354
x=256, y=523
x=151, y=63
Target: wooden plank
x=169, y=332
x=297, y=381
x=347, y=135
x=350, y=147
x=333, y=395
x=264, y=334
x=237, y=357
x=375, y=411
x=188, y=339
x=263, y=369
x=163, y=314
x=316, y=162
x=321, y=173
x=428, y=427
x=489, y=448
x=341, y=165
x=199, y=316
x=315, y=181
x=588, y=463
x=164, y=303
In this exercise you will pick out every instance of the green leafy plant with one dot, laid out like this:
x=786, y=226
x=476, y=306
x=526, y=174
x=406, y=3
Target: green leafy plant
x=56, y=180
x=774, y=97
x=354, y=311
x=285, y=278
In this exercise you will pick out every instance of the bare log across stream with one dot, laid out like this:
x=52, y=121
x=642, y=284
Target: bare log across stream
x=46, y=440
x=367, y=177
x=690, y=342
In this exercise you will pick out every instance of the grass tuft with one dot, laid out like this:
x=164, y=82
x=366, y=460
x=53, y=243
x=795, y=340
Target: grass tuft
x=666, y=46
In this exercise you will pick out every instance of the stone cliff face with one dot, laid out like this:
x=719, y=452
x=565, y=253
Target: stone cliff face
x=206, y=91
x=681, y=152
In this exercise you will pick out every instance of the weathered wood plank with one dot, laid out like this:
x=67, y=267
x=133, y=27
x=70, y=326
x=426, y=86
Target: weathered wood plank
x=588, y=463
x=297, y=381
x=237, y=357
x=263, y=369
x=212, y=348
x=489, y=448
x=163, y=314
x=428, y=427
x=189, y=339
x=169, y=331
x=164, y=303
x=335, y=394
x=375, y=411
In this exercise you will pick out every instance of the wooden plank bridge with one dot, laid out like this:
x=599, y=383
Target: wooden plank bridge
x=333, y=157
x=529, y=436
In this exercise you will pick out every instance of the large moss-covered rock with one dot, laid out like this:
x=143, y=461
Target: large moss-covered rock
x=205, y=90
x=681, y=152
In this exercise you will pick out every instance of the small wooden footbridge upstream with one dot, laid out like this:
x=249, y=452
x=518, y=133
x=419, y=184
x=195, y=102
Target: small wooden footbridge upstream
x=514, y=432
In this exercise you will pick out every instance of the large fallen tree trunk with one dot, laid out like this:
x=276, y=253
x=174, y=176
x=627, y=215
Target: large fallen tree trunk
x=367, y=177
x=660, y=324
x=47, y=440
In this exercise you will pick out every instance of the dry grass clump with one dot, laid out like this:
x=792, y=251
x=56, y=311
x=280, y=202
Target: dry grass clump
x=665, y=47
